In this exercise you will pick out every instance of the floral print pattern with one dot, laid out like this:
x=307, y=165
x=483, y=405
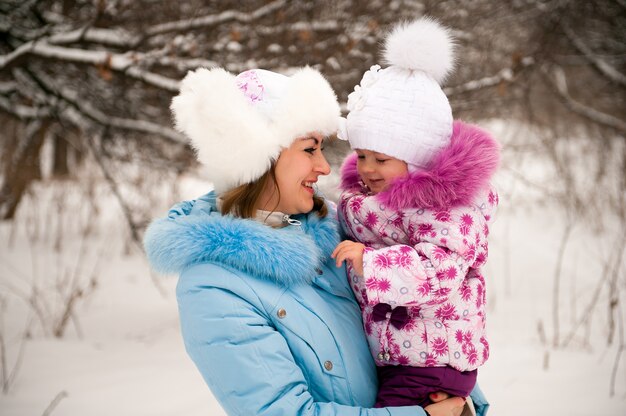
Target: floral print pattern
x=250, y=85
x=428, y=261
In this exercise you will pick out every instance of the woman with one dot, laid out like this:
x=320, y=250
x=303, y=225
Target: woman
x=268, y=320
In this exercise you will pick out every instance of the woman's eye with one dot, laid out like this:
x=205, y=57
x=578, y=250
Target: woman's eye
x=310, y=150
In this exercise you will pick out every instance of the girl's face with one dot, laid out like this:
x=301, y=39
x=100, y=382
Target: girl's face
x=297, y=169
x=377, y=170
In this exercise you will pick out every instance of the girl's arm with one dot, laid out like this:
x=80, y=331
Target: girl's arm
x=403, y=275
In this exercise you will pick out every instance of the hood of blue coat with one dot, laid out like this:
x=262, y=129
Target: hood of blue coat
x=195, y=232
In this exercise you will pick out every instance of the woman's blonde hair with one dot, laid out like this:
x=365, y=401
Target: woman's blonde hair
x=242, y=200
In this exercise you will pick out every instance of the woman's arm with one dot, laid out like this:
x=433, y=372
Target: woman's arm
x=245, y=361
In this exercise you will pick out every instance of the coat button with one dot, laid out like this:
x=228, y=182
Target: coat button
x=387, y=356
x=380, y=356
x=328, y=365
x=319, y=271
x=281, y=313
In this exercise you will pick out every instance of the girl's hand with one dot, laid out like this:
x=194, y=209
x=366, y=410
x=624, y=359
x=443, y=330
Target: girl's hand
x=352, y=251
x=448, y=407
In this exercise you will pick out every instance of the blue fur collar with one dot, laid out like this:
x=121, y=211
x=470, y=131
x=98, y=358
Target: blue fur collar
x=195, y=232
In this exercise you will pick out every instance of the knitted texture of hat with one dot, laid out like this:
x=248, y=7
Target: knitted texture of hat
x=239, y=125
x=401, y=110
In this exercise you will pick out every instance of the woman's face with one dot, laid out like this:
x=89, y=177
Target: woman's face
x=297, y=169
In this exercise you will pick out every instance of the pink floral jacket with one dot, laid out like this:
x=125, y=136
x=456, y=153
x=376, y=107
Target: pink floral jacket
x=422, y=294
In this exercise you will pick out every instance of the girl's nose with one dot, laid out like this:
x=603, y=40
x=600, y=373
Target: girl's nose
x=366, y=166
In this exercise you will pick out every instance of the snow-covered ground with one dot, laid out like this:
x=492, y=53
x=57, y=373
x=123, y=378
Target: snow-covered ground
x=121, y=352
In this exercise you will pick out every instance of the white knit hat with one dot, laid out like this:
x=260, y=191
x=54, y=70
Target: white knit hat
x=401, y=110
x=239, y=124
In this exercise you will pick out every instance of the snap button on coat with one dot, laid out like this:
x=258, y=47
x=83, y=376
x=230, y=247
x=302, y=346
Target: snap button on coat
x=281, y=313
x=328, y=365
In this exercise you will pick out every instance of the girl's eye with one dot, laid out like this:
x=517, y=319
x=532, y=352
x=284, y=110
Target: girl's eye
x=311, y=150
x=381, y=160
x=360, y=157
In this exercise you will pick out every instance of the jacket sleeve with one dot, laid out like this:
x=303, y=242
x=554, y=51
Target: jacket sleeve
x=481, y=405
x=403, y=275
x=244, y=360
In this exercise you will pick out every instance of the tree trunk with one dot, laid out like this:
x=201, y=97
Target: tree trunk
x=60, y=167
x=22, y=168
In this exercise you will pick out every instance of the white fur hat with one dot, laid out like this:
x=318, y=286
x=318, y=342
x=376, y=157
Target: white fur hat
x=401, y=110
x=239, y=124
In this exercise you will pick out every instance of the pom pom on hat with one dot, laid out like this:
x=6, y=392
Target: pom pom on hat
x=423, y=45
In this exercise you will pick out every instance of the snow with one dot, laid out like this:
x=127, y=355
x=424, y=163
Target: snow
x=123, y=353
x=514, y=378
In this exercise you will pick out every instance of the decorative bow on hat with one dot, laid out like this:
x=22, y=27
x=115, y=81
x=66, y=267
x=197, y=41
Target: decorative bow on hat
x=399, y=316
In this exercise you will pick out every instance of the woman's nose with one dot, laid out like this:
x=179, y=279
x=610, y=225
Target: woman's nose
x=322, y=165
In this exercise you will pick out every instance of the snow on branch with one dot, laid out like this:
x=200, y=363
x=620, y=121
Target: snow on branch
x=559, y=84
x=110, y=37
x=143, y=126
x=99, y=117
x=604, y=67
x=23, y=112
x=123, y=39
x=7, y=87
x=117, y=62
x=314, y=26
x=212, y=20
x=505, y=74
x=181, y=64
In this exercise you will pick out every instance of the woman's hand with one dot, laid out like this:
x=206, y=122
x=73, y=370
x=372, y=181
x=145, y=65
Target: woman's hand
x=352, y=251
x=438, y=396
x=448, y=407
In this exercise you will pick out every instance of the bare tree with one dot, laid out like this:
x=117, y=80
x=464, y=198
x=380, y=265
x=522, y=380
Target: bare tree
x=73, y=69
x=95, y=79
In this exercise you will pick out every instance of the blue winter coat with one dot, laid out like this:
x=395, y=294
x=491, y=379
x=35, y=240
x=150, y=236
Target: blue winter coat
x=266, y=316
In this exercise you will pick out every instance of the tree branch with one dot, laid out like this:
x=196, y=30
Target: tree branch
x=23, y=112
x=314, y=26
x=117, y=62
x=505, y=74
x=110, y=37
x=105, y=120
x=70, y=97
x=560, y=87
x=134, y=229
x=213, y=20
x=604, y=67
x=57, y=399
x=8, y=87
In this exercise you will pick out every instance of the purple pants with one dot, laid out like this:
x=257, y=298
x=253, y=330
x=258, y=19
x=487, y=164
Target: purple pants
x=410, y=386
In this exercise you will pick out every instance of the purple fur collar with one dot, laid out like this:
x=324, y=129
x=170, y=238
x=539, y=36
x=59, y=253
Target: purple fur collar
x=456, y=175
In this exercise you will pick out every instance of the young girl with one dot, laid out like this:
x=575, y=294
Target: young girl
x=417, y=202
